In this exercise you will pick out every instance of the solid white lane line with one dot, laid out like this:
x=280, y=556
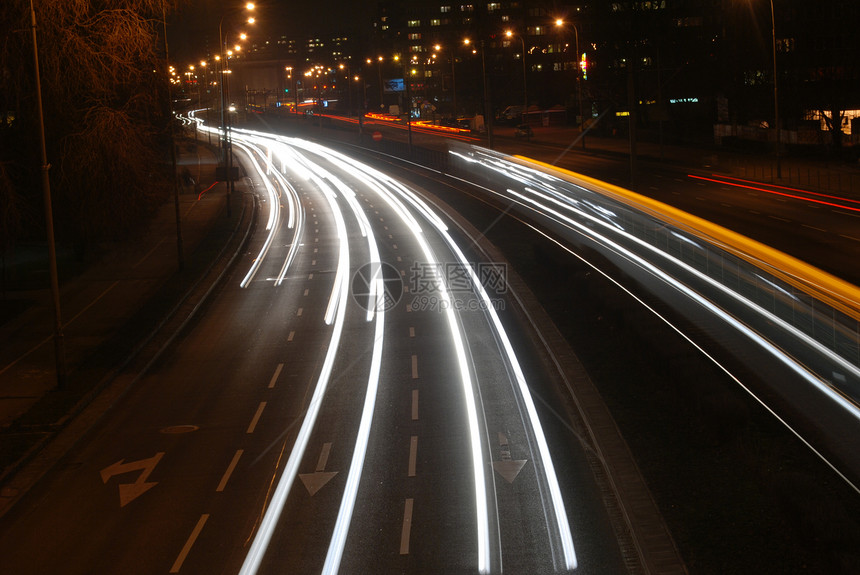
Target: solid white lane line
x=229, y=472
x=413, y=455
x=414, y=405
x=414, y=366
x=177, y=565
x=407, y=527
x=276, y=375
x=256, y=417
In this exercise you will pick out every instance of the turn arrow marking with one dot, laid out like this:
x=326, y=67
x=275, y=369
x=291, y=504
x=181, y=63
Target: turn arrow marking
x=507, y=468
x=130, y=491
x=317, y=480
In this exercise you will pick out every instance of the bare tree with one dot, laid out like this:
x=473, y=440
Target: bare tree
x=106, y=111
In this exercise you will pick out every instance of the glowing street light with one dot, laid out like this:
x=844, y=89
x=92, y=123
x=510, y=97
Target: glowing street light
x=559, y=23
x=510, y=34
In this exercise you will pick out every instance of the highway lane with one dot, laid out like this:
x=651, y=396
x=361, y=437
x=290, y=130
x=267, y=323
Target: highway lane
x=293, y=427
x=819, y=229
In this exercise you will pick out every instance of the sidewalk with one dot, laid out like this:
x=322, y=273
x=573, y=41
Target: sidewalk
x=107, y=310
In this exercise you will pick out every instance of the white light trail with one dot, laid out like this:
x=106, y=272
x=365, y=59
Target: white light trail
x=276, y=505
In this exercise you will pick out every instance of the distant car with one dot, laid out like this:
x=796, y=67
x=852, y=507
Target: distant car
x=523, y=131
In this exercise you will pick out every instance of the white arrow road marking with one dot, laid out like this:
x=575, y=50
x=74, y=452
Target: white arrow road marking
x=130, y=491
x=507, y=468
x=316, y=480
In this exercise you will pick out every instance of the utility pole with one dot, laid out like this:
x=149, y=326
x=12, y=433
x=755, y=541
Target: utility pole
x=59, y=348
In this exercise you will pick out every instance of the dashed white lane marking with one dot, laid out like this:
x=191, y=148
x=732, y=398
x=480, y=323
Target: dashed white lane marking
x=778, y=218
x=411, y=332
x=291, y=336
x=276, y=375
x=414, y=367
x=299, y=311
x=256, y=417
x=177, y=565
x=813, y=228
x=414, y=405
x=306, y=292
x=407, y=527
x=310, y=276
x=413, y=455
x=230, y=468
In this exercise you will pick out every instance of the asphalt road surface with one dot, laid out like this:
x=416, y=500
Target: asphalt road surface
x=350, y=401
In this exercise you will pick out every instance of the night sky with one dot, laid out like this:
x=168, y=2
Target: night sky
x=199, y=19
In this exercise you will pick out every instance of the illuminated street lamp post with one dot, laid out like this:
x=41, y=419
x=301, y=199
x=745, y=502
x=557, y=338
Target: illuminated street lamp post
x=379, y=71
x=227, y=152
x=438, y=48
x=510, y=34
x=775, y=91
x=560, y=23
x=488, y=120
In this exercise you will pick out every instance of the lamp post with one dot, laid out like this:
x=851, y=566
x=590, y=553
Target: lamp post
x=559, y=23
x=775, y=91
x=59, y=348
x=438, y=48
x=488, y=121
x=379, y=71
x=510, y=34
x=227, y=150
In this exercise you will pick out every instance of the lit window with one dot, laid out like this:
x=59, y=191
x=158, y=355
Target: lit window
x=435, y=22
x=493, y=6
x=414, y=23
x=445, y=9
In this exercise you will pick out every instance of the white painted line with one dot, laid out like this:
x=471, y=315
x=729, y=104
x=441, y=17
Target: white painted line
x=407, y=527
x=413, y=455
x=256, y=417
x=299, y=311
x=849, y=237
x=306, y=292
x=229, y=472
x=291, y=336
x=813, y=228
x=411, y=332
x=316, y=240
x=402, y=273
x=414, y=405
x=310, y=276
x=778, y=218
x=313, y=262
x=395, y=247
x=398, y=257
x=316, y=250
x=414, y=367
x=391, y=237
x=177, y=565
x=275, y=375
x=405, y=288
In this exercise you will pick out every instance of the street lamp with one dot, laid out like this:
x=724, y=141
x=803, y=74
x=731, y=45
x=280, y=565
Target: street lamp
x=438, y=48
x=488, y=121
x=775, y=91
x=59, y=348
x=227, y=151
x=510, y=34
x=559, y=22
